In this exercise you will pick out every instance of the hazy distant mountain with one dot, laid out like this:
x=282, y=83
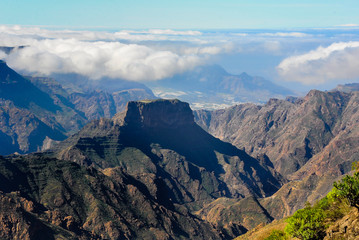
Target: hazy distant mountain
x=79, y=83
x=349, y=87
x=212, y=87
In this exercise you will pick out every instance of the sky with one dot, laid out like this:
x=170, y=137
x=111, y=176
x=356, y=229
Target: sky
x=180, y=14
x=298, y=44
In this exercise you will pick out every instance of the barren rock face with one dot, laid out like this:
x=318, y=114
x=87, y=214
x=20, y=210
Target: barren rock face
x=159, y=114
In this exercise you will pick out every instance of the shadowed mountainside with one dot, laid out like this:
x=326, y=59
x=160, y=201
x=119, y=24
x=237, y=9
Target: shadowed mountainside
x=43, y=198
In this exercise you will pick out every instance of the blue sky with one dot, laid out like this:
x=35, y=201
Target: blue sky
x=184, y=14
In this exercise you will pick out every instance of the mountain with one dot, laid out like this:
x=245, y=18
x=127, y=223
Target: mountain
x=212, y=87
x=94, y=98
x=158, y=142
x=35, y=112
x=28, y=115
x=311, y=141
x=349, y=87
x=160, y=137
x=44, y=198
x=139, y=175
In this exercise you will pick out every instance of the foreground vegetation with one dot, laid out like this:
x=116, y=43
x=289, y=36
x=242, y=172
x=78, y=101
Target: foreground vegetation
x=314, y=222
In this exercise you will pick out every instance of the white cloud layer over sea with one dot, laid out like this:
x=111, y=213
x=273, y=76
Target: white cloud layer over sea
x=307, y=56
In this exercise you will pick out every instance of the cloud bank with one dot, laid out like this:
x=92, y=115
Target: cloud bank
x=100, y=59
x=339, y=61
x=101, y=54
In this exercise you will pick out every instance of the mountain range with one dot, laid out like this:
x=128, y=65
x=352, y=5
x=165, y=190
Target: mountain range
x=138, y=175
x=180, y=172
x=36, y=111
x=211, y=87
x=113, y=168
x=312, y=141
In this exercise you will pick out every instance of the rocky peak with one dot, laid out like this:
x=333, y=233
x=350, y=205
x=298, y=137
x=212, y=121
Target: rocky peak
x=158, y=114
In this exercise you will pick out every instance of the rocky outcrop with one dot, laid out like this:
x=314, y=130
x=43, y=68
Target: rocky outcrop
x=344, y=228
x=159, y=114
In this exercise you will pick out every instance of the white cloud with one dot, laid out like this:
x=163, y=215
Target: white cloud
x=284, y=34
x=100, y=59
x=172, y=32
x=147, y=55
x=240, y=34
x=339, y=61
x=2, y=55
x=348, y=25
x=148, y=35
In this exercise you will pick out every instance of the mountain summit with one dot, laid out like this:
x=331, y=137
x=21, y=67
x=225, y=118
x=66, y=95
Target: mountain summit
x=159, y=114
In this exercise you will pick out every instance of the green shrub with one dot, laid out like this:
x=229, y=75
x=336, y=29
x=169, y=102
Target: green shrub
x=307, y=223
x=348, y=188
x=277, y=235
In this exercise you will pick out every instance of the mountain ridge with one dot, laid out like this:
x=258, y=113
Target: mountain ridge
x=212, y=87
x=312, y=141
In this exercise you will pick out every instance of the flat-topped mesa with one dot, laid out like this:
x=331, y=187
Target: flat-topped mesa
x=158, y=114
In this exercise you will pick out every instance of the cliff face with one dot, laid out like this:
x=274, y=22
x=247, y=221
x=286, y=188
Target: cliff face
x=159, y=114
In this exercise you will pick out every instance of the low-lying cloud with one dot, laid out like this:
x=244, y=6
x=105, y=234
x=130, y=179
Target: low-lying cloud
x=101, y=54
x=100, y=59
x=285, y=34
x=339, y=61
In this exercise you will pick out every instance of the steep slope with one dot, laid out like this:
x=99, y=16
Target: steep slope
x=235, y=216
x=311, y=140
x=212, y=87
x=161, y=138
x=45, y=198
x=27, y=114
x=21, y=131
